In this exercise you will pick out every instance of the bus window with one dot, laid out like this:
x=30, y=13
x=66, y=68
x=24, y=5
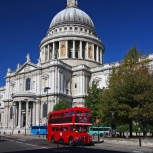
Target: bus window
x=85, y=129
x=61, y=129
x=66, y=114
x=91, y=129
x=53, y=129
x=71, y=113
x=54, y=116
x=57, y=129
x=100, y=129
x=62, y=115
x=79, y=113
x=87, y=114
x=72, y=128
x=79, y=128
x=65, y=129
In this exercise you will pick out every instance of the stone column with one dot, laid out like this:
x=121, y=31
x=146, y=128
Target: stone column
x=97, y=54
x=44, y=54
x=62, y=84
x=37, y=111
x=101, y=56
x=59, y=49
x=48, y=53
x=19, y=115
x=5, y=115
x=14, y=115
x=73, y=48
x=87, y=50
x=81, y=49
x=53, y=53
x=83, y=91
x=59, y=81
x=34, y=114
x=27, y=107
x=66, y=48
x=93, y=52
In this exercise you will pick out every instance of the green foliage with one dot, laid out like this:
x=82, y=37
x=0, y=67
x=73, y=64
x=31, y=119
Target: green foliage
x=123, y=128
x=61, y=105
x=93, y=99
x=129, y=96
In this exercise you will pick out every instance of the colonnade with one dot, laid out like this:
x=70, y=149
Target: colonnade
x=24, y=114
x=71, y=49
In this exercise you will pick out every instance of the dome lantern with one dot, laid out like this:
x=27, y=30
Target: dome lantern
x=71, y=3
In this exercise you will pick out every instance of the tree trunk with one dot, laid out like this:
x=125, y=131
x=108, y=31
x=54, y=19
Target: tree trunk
x=120, y=134
x=144, y=133
x=130, y=127
x=144, y=130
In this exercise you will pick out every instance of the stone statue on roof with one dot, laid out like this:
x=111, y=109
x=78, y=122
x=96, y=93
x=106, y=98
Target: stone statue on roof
x=28, y=57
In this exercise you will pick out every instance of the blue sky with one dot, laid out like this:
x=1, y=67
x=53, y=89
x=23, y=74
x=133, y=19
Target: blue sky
x=119, y=24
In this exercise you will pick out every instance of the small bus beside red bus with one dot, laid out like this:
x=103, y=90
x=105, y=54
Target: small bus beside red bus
x=70, y=125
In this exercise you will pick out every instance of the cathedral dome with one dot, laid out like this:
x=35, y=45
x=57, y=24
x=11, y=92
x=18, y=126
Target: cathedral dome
x=72, y=15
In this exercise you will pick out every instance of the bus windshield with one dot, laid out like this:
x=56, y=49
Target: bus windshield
x=80, y=128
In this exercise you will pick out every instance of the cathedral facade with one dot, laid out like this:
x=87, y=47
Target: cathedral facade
x=71, y=58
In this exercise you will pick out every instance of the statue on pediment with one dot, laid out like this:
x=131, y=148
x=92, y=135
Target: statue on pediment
x=28, y=58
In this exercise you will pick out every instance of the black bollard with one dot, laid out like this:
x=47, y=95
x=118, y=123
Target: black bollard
x=140, y=141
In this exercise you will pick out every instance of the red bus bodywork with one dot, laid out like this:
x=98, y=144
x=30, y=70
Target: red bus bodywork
x=70, y=125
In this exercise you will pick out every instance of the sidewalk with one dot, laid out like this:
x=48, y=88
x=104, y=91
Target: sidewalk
x=132, y=145
x=21, y=136
x=120, y=147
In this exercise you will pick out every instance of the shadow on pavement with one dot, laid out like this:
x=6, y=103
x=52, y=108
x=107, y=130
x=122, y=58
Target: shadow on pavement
x=3, y=140
x=67, y=150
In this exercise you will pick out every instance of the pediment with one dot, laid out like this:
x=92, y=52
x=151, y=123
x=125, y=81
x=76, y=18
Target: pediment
x=27, y=67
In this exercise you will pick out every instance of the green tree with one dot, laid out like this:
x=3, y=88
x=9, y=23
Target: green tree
x=93, y=99
x=130, y=91
x=61, y=105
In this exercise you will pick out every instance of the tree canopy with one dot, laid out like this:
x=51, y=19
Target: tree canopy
x=61, y=105
x=129, y=96
x=93, y=99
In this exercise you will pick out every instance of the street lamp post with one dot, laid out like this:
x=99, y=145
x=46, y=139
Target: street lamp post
x=139, y=138
x=46, y=90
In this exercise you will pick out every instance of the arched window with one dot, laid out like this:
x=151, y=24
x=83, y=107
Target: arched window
x=44, y=110
x=11, y=112
x=28, y=82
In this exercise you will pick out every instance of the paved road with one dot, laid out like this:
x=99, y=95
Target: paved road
x=32, y=145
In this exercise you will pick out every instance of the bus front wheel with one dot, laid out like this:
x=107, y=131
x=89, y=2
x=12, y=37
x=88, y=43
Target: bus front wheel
x=71, y=141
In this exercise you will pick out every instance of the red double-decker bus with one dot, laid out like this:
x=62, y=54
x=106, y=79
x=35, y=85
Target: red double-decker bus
x=70, y=125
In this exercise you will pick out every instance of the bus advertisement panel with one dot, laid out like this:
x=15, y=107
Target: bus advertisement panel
x=70, y=125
